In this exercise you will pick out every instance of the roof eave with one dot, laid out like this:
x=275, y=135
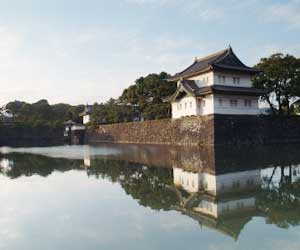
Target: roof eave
x=184, y=76
x=248, y=70
x=173, y=98
x=214, y=90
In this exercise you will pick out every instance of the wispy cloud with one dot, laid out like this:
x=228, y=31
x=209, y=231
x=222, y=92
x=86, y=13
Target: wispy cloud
x=283, y=12
x=201, y=9
x=10, y=42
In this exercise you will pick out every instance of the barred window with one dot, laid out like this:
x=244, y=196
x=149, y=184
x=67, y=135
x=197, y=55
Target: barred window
x=247, y=103
x=233, y=103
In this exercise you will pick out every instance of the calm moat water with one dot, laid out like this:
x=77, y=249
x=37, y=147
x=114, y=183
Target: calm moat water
x=150, y=197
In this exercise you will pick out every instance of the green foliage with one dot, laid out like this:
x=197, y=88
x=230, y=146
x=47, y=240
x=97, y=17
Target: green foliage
x=145, y=99
x=154, y=87
x=113, y=112
x=42, y=114
x=280, y=77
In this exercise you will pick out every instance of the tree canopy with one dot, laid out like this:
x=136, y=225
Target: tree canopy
x=149, y=94
x=280, y=78
x=145, y=99
x=41, y=112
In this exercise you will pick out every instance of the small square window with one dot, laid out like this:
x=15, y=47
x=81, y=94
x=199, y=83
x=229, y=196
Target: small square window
x=220, y=79
x=233, y=103
x=247, y=103
x=224, y=79
x=236, y=80
x=220, y=102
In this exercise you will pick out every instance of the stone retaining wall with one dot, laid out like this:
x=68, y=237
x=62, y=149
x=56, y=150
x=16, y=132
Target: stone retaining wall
x=188, y=131
x=202, y=130
x=248, y=129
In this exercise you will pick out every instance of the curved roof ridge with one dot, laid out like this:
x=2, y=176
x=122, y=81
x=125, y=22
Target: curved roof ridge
x=228, y=52
x=224, y=59
x=213, y=55
x=220, y=53
x=231, y=51
x=195, y=62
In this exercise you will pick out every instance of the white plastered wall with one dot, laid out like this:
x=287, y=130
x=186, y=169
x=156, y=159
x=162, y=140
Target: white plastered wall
x=190, y=106
x=222, y=105
x=213, y=78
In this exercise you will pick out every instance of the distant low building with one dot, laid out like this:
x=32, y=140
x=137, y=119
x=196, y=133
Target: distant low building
x=74, y=132
x=6, y=115
x=217, y=84
x=86, y=114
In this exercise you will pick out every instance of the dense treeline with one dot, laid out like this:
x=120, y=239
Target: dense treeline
x=41, y=113
x=147, y=99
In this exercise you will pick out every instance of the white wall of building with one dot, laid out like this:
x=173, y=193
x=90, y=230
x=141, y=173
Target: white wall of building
x=187, y=106
x=190, y=106
x=236, y=80
x=77, y=127
x=236, y=105
x=208, y=105
x=86, y=119
x=215, y=104
x=206, y=79
x=219, y=78
x=6, y=113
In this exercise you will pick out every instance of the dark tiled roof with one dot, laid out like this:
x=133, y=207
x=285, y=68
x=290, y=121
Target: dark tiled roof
x=220, y=89
x=223, y=60
x=189, y=85
x=192, y=88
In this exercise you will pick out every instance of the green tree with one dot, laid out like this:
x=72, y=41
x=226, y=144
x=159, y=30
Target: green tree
x=150, y=93
x=42, y=113
x=280, y=78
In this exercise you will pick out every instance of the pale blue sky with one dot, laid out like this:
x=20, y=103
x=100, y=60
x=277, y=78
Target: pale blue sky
x=81, y=51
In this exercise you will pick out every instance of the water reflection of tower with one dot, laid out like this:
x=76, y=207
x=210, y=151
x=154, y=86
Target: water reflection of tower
x=218, y=201
x=86, y=157
x=6, y=165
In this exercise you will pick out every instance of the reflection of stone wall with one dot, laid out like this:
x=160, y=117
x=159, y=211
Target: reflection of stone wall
x=203, y=130
x=188, y=131
x=194, y=159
